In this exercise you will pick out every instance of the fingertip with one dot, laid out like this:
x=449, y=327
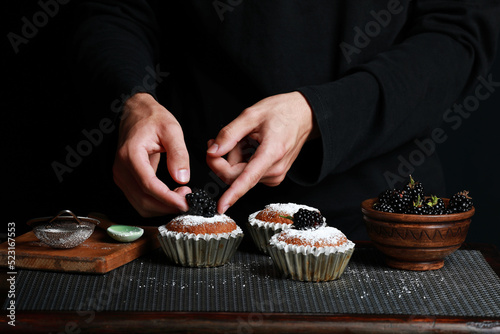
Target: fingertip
x=182, y=175
x=222, y=208
x=229, y=136
x=177, y=155
x=213, y=148
x=183, y=191
x=226, y=201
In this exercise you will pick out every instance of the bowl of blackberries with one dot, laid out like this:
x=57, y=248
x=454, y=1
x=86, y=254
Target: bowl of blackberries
x=415, y=230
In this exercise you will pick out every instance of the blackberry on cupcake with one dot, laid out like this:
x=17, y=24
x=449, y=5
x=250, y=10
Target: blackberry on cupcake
x=201, y=204
x=305, y=219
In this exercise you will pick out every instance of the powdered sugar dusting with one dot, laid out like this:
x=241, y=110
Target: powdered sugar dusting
x=192, y=220
x=183, y=235
x=328, y=235
x=68, y=236
x=288, y=208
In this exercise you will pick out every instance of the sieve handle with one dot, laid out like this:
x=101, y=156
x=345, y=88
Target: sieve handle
x=66, y=212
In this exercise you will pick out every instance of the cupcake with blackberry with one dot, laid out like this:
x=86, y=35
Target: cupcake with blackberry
x=310, y=250
x=263, y=224
x=201, y=237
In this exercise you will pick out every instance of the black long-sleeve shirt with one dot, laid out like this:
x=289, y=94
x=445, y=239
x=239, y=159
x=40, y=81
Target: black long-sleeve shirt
x=378, y=75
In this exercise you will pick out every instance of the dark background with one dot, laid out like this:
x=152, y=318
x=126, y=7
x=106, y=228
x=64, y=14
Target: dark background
x=44, y=114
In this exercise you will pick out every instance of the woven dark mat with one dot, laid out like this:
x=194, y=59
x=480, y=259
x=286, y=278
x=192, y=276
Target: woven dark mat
x=466, y=286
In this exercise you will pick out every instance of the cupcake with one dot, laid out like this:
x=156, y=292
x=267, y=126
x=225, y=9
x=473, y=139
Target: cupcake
x=311, y=253
x=200, y=238
x=263, y=224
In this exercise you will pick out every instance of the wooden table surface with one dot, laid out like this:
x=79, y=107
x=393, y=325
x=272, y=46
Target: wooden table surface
x=231, y=322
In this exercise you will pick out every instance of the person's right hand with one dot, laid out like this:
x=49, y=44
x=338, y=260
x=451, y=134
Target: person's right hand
x=147, y=129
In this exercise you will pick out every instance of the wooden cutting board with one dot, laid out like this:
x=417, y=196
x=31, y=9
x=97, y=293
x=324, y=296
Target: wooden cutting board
x=99, y=254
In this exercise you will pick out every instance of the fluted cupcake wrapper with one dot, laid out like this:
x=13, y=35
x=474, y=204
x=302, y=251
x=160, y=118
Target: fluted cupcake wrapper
x=310, y=267
x=262, y=231
x=262, y=234
x=199, y=252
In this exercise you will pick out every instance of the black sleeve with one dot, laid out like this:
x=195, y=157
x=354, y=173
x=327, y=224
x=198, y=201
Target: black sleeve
x=115, y=46
x=402, y=93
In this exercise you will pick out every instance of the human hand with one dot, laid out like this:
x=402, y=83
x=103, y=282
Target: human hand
x=280, y=125
x=147, y=129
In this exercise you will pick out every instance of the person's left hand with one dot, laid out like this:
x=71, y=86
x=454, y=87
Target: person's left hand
x=279, y=126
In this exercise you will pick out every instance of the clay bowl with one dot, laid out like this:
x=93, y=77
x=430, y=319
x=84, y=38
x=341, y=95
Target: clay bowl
x=415, y=242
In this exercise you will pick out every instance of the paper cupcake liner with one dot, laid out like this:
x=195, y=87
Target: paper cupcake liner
x=261, y=234
x=310, y=267
x=207, y=250
x=261, y=231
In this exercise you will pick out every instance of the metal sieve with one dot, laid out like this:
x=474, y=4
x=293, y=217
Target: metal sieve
x=65, y=230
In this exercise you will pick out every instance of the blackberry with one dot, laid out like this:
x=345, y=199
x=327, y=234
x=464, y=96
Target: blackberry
x=400, y=201
x=200, y=204
x=305, y=219
x=414, y=189
x=460, y=202
x=419, y=207
x=384, y=207
x=435, y=205
x=385, y=196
